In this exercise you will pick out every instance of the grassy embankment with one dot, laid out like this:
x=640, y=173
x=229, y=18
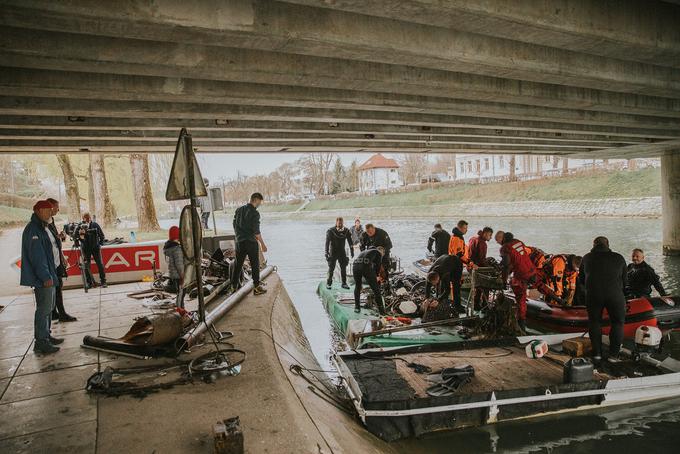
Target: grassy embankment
x=598, y=185
x=13, y=217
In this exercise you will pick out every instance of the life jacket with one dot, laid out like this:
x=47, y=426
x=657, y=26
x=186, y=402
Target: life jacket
x=458, y=247
x=559, y=275
x=537, y=256
x=518, y=260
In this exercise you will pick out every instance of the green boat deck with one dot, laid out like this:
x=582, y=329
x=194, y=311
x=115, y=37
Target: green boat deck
x=339, y=304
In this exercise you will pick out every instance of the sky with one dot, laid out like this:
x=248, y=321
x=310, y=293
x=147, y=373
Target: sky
x=214, y=165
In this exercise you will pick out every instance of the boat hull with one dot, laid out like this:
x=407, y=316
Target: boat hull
x=127, y=262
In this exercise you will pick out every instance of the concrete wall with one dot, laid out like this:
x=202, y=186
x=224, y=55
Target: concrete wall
x=633, y=207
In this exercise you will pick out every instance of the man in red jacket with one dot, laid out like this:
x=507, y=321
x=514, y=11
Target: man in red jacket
x=477, y=248
x=515, y=259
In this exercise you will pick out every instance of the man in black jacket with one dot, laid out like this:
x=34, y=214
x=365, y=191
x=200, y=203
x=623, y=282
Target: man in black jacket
x=446, y=272
x=336, y=237
x=440, y=239
x=604, y=276
x=367, y=266
x=59, y=312
x=377, y=237
x=91, y=235
x=641, y=277
x=247, y=231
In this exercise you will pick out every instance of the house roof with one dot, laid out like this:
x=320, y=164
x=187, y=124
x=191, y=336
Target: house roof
x=378, y=161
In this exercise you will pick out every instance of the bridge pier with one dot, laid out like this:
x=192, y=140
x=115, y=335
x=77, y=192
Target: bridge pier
x=670, y=202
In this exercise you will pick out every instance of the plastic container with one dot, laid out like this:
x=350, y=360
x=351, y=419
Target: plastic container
x=578, y=370
x=536, y=348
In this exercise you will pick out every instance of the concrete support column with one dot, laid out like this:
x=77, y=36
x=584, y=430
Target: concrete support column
x=670, y=202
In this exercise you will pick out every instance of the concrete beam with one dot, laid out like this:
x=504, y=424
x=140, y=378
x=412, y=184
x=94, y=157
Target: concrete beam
x=199, y=141
x=268, y=135
x=69, y=85
x=70, y=52
x=222, y=113
x=323, y=32
x=670, y=201
x=131, y=125
x=249, y=148
x=640, y=150
x=640, y=30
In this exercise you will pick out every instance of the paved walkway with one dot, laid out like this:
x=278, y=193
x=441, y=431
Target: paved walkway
x=44, y=406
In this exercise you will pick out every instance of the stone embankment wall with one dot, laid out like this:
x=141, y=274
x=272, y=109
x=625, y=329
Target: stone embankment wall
x=649, y=207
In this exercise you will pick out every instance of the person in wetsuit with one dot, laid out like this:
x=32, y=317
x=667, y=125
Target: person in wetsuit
x=377, y=237
x=642, y=277
x=604, y=275
x=335, y=252
x=445, y=275
x=367, y=266
x=439, y=238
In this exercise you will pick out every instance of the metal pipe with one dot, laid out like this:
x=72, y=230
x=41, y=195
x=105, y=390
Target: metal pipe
x=213, y=316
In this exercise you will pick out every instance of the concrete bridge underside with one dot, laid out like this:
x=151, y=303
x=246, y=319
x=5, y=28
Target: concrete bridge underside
x=576, y=78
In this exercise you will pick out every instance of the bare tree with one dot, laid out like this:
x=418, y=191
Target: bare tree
x=146, y=211
x=513, y=174
x=413, y=166
x=71, y=185
x=102, y=200
x=565, y=165
x=317, y=170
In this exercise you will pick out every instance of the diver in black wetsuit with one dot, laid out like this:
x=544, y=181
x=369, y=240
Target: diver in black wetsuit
x=367, y=266
x=446, y=272
x=377, y=237
x=642, y=277
x=604, y=275
x=336, y=237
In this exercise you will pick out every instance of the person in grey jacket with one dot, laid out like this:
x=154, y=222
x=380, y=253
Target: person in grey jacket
x=175, y=258
x=356, y=232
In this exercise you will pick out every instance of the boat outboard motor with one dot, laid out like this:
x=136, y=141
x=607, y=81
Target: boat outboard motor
x=647, y=339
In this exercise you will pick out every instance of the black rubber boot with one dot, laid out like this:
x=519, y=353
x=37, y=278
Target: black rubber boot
x=357, y=309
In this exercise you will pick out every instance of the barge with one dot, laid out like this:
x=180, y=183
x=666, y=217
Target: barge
x=389, y=387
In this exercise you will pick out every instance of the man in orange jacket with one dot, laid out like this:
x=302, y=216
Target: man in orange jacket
x=457, y=244
x=560, y=274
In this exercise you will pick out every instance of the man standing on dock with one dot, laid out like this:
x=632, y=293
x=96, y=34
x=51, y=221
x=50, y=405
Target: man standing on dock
x=92, y=237
x=39, y=262
x=247, y=231
x=59, y=312
x=336, y=237
x=439, y=238
x=605, y=276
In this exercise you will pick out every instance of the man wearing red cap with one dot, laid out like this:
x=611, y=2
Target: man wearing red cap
x=175, y=258
x=39, y=262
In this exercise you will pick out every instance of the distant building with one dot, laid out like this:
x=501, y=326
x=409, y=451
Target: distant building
x=379, y=173
x=490, y=167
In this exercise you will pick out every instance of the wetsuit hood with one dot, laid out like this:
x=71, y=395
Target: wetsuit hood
x=456, y=231
x=600, y=248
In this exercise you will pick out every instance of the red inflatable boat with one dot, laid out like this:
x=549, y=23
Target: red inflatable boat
x=663, y=312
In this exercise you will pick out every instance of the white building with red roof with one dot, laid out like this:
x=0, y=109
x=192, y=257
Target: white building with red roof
x=379, y=173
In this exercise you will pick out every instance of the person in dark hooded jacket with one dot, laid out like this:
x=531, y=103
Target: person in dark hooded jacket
x=604, y=276
x=335, y=252
x=439, y=238
x=175, y=258
x=642, y=277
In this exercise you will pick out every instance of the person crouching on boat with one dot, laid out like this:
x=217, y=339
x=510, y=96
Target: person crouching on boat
x=377, y=237
x=605, y=276
x=367, y=266
x=439, y=238
x=641, y=277
x=560, y=274
x=445, y=275
x=336, y=237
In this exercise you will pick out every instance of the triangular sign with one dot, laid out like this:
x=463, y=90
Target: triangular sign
x=178, y=184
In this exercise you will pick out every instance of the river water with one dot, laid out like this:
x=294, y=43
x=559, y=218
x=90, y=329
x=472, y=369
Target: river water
x=296, y=247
